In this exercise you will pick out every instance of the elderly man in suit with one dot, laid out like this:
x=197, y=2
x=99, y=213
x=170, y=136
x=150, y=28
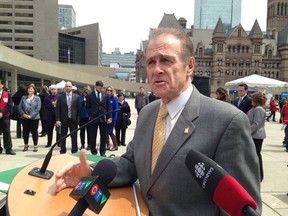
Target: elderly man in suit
x=244, y=101
x=68, y=114
x=98, y=102
x=194, y=121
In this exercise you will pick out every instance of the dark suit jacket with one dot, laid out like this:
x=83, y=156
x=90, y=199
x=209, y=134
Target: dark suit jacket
x=62, y=109
x=246, y=104
x=95, y=107
x=216, y=129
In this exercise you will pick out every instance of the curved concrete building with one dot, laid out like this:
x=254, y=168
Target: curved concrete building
x=14, y=63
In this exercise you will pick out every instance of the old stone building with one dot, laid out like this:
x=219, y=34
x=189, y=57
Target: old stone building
x=227, y=55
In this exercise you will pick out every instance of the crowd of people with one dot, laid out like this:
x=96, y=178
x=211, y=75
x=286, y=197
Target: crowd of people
x=258, y=109
x=63, y=110
x=67, y=109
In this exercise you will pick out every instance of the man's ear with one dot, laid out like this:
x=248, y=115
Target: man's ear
x=191, y=66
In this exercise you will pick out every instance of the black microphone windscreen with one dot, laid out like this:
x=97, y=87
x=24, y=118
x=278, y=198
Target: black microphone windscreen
x=106, y=170
x=205, y=171
x=225, y=191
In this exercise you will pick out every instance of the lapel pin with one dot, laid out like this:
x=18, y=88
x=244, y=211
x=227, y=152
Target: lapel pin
x=186, y=130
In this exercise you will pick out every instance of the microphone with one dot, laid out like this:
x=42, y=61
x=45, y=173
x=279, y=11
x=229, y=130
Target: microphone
x=91, y=192
x=225, y=190
x=47, y=174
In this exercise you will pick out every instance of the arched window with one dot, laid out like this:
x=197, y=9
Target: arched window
x=219, y=72
x=201, y=51
x=269, y=53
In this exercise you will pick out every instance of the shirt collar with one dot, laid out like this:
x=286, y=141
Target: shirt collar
x=176, y=105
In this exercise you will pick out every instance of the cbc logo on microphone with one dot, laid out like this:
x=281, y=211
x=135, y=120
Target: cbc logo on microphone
x=200, y=169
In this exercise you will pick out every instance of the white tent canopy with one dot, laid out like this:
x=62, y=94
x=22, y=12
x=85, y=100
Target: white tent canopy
x=61, y=84
x=259, y=82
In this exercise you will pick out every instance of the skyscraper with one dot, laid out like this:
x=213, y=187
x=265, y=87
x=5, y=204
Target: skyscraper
x=30, y=27
x=207, y=13
x=66, y=17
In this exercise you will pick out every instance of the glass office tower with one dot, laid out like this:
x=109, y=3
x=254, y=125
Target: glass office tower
x=207, y=13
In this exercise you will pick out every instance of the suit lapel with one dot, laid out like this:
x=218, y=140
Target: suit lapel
x=182, y=130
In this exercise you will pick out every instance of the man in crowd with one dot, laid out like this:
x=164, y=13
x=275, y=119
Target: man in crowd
x=5, y=110
x=98, y=102
x=68, y=114
x=141, y=99
x=244, y=101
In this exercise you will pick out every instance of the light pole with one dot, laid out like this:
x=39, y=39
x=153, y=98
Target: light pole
x=68, y=55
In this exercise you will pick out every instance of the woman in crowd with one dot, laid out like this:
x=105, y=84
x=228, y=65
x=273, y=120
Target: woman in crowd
x=29, y=110
x=42, y=94
x=272, y=108
x=257, y=117
x=122, y=121
x=222, y=94
x=110, y=127
x=84, y=117
x=50, y=105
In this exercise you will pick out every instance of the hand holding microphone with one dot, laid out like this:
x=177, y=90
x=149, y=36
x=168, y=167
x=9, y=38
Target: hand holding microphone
x=91, y=192
x=226, y=192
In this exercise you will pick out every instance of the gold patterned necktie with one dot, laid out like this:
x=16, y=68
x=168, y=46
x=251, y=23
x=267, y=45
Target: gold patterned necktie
x=159, y=135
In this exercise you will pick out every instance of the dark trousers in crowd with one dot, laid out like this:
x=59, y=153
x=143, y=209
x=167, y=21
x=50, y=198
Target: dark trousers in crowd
x=64, y=131
x=19, y=128
x=44, y=128
x=50, y=130
x=30, y=125
x=272, y=114
x=120, y=135
x=5, y=130
x=258, y=145
x=93, y=136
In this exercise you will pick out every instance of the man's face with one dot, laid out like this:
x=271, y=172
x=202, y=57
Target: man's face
x=142, y=90
x=1, y=86
x=168, y=75
x=241, y=91
x=68, y=87
x=98, y=88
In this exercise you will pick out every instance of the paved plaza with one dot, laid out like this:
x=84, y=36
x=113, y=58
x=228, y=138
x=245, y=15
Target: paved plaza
x=273, y=188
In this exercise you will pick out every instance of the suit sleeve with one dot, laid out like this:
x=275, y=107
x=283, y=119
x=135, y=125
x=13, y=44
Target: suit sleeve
x=236, y=153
